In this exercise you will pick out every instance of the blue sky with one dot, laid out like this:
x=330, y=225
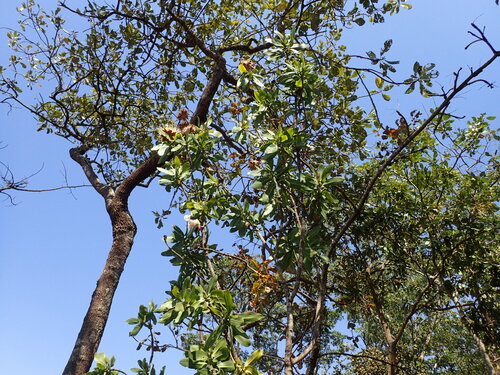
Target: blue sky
x=53, y=245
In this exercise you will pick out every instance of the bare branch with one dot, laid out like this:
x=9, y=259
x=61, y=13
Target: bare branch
x=47, y=189
x=10, y=183
x=78, y=155
x=480, y=38
x=245, y=47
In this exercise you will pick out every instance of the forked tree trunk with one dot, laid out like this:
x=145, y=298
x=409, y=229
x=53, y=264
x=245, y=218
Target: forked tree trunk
x=124, y=231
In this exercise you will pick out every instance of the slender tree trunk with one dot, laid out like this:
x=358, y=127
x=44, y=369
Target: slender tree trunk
x=392, y=366
x=391, y=341
x=288, y=341
x=92, y=329
x=124, y=230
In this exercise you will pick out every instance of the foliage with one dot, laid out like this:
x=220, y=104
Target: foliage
x=104, y=365
x=337, y=217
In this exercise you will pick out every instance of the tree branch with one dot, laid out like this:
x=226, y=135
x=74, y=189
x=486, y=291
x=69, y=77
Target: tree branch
x=245, y=48
x=78, y=155
x=369, y=187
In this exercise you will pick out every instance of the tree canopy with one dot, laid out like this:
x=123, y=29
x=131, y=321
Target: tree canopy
x=362, y=244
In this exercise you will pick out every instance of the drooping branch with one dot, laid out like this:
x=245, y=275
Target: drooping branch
x=246, y=47
x=18, y=187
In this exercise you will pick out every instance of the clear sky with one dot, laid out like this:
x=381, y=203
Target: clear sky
x=53, y=245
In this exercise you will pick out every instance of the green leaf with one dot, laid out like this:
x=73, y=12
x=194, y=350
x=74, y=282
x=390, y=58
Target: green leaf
x=243, y=83
x=250, y=317
x=135, y=330
x=228, y=301
x=200, y=356
x=335, y=180
x=271, y=149
x=242, y=69
x=100, y=358
x=184, y=362
x=264, y=198
x=386, y=97
x=254, y=357
x=417, y=68
x=267, y=210
x=379, y=82
x=242, y=339
x=324, y=171
x=258, y=82
x=226, y=365
x=257, y=185
x=259, y=97
x=410, y=89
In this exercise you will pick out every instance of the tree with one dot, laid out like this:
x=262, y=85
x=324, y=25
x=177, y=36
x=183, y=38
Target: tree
x=338, y=214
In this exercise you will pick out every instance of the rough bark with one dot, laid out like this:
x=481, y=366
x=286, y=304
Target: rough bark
x=124, y=230
x=96, y=317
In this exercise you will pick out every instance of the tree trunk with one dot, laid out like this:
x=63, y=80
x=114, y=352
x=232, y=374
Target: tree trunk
x=392, y=366
x=89, y=338
x=124, y=230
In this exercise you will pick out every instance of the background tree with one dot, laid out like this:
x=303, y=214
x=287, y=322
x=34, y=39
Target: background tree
x=293, y=94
